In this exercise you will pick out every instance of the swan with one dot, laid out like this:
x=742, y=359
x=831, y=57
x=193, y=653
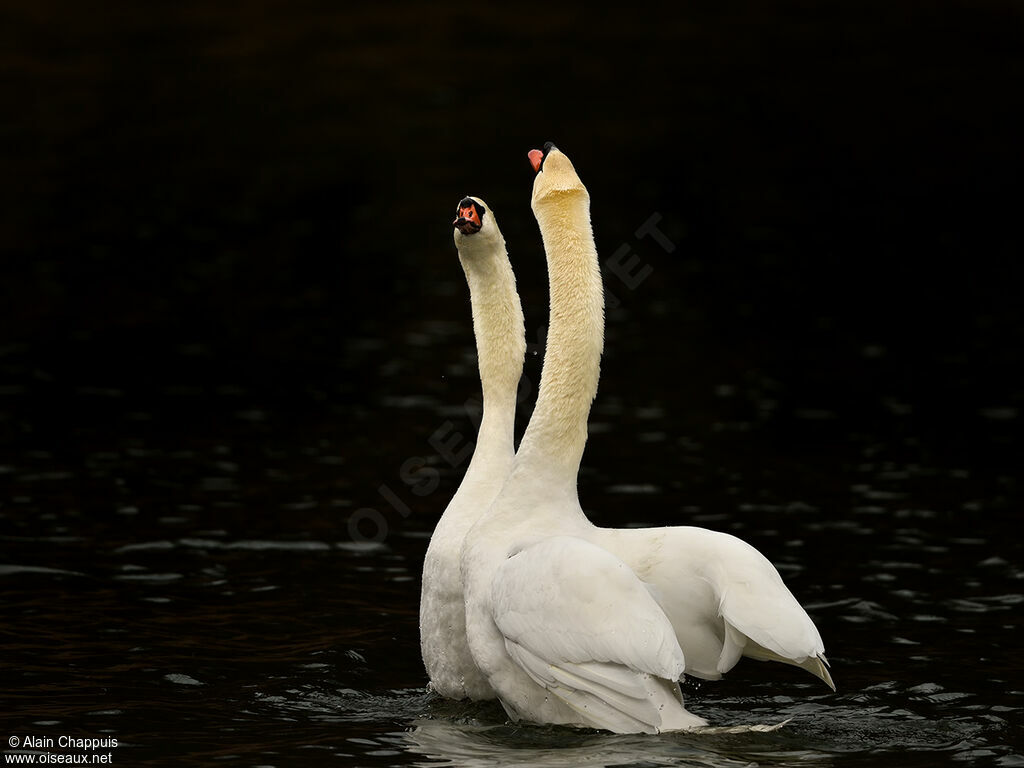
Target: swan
x=501, y=346
x=579, y=625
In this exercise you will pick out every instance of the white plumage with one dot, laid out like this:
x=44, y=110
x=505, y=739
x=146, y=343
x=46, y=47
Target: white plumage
x=607, y=652
x=574, y=624
x=724, y=598
x=498, y=326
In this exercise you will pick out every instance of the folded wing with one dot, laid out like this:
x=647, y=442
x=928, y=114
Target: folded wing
x=581, y=624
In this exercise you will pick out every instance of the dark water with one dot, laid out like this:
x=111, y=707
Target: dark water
x=235, y=341
x=195, y=592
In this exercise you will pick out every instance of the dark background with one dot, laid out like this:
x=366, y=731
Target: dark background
x=251, y=202
x=232, y=319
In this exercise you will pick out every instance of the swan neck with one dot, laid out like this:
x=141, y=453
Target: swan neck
x=557, y=433
x=499, y=330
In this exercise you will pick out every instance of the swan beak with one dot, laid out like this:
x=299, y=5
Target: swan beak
x=468, y=219
x=536, y=159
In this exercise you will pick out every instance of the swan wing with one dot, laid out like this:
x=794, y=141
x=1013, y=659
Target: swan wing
x=724, y=598
x=580, y=623
x=763, y=620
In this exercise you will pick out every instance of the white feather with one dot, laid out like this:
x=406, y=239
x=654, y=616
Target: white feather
x=609, y=653
x=498, y=325
x=573, y=624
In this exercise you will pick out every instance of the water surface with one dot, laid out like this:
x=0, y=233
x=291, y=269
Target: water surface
x=235, y=334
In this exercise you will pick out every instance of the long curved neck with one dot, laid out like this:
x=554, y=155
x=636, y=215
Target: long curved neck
x=557, y=434
x=500, y=339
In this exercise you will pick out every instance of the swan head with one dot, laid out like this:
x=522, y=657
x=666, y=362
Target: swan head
x=474, y=223
x=469, y=215
x=556, y=177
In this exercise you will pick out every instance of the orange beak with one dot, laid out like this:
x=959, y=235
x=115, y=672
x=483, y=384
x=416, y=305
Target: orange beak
x=536, y=158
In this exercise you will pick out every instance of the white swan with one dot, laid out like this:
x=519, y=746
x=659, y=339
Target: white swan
x=501, y=345
x=581, y=625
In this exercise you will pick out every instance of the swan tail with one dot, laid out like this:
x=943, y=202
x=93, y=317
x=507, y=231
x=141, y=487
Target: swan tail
x=816, y=665
x=738, y=644
x=763, y=620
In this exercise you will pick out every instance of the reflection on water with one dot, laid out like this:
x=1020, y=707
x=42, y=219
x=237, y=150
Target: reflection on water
x=196, y=594
x=529, y=747
x=220, y=630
